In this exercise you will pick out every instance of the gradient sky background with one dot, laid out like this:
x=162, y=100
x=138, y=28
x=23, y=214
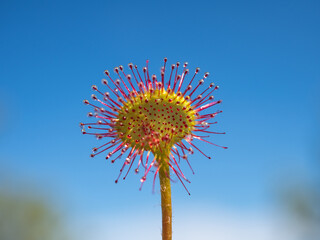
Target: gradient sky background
x=264, y=55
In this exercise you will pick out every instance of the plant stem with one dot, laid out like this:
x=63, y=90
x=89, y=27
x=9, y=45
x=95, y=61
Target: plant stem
x=165, y=187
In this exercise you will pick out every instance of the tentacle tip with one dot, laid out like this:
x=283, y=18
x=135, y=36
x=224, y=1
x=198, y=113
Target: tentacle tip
x=116, y=181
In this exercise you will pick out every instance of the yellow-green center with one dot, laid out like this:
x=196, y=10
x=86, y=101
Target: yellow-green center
x=155, y=120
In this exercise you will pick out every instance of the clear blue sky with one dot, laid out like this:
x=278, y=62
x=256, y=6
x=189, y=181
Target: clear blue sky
x=264, y=55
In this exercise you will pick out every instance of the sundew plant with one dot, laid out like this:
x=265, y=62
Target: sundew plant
x=152, y=123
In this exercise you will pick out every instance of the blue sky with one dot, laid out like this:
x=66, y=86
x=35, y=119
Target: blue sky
x=264, y=55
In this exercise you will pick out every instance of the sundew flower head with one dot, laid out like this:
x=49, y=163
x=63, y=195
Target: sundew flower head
x=143, y=115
